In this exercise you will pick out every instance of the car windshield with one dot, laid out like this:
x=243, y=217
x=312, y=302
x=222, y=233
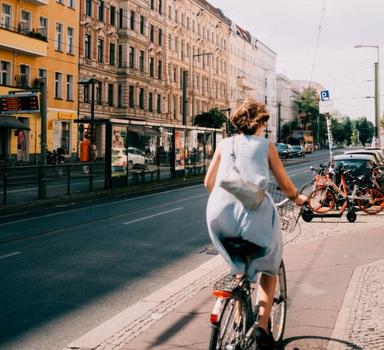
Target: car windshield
x=358, y=164
x=281, y=146
x=296, y=147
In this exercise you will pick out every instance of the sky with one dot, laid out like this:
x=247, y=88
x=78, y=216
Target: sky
x=291, y=29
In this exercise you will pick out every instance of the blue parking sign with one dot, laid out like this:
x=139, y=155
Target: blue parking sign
x=324, y=95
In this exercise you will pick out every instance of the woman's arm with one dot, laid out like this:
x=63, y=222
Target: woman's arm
x=210, y=178
x=282, y=177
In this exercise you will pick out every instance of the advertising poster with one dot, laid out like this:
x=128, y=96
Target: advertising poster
x=179, y=150
x=119, y=151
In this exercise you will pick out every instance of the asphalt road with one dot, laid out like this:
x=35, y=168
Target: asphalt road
x=67, y=270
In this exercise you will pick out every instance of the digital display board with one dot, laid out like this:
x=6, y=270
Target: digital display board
x=10, y=104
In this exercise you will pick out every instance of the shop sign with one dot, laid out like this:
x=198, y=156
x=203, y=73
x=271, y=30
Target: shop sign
x=64, y=115
x=19, y=103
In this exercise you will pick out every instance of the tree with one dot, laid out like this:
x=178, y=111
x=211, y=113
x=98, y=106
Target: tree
x=366, y=130
x=347, y=126
x=338, y=131
x=308, y=107
x=212, y=119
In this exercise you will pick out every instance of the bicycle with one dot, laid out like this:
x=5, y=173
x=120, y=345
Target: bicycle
x=234, y=318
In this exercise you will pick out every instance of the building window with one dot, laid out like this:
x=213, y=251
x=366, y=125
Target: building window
x=132, y=57
x=25, y=73
x=99, y=92
x=158, y=103
x=112, y=54
x=169, y=42
x=58, y=85
x=120, y=18
x=87, y=46
x=160, y=7
x=119, y=95
x=142, y=24
x=71, y=4
x=132, y=20
x=265, y=100
x=43, y=26
x=112, y=16
x=150, y=102
x=5, y=73
x=59, y=37
x=70, y=40
x=152, y=33
x=152, y=67
x=141, y=61
x=160, y=70
x=110, y=95
x=86, y=93
x=152, y=4
x=131, y=96
x=69, y=87
x=141, y=98
x=169, y=12
x=88, y=7
x=6, y=11
x=25, y=21
x=160, y=39
x=101, y=11
x=100, y=50
x=42, y=73
x=120, y=62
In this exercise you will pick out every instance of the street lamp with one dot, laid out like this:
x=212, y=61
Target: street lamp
x=92, y=82
x=193, y=80
x=377, y=89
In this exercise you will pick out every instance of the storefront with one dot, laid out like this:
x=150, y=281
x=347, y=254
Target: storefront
x=13, y=129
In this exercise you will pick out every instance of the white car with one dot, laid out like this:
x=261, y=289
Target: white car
x=136, y=158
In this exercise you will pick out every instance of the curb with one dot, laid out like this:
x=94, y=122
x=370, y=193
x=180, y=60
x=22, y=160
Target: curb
x=134, y=320
x=341, y=336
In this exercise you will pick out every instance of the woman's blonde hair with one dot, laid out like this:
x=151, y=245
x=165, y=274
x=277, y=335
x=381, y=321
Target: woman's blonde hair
x=250, y=116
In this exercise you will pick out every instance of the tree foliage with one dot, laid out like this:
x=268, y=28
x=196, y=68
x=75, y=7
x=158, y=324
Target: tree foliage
x=211, y=119
x=366, y=130
x=307, y=107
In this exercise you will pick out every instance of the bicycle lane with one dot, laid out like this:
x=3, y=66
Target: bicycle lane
x=320, y=263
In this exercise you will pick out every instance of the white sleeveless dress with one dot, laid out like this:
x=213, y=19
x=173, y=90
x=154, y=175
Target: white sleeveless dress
x=227, y=217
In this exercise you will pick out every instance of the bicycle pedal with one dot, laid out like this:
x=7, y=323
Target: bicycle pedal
x=228, y=283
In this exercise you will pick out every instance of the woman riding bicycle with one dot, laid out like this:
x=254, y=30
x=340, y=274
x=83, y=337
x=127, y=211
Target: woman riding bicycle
x=227, y=217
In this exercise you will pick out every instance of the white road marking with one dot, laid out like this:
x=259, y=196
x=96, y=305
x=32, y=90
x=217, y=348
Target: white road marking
x=152, y=216
x=9, y=255
x=110, y=203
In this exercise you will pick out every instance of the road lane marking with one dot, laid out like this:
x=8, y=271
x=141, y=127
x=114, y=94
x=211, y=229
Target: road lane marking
x=152, y=216
x=9, y=255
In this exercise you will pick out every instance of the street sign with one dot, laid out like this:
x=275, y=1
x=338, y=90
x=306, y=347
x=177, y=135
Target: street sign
x=326, y=107
x=324, y=95
x=15, y=103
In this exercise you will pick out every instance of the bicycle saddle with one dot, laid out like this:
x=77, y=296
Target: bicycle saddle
x=240, y=247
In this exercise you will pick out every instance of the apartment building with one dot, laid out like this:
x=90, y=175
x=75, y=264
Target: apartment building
x=38, y=39
x=197, y=39
x=242, y=66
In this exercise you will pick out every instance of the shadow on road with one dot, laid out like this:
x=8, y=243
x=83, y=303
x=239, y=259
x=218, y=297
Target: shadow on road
x=316, y=343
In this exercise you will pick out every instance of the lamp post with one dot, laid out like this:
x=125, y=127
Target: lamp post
x=91, y=82
x=377, y=90
x=193, y=80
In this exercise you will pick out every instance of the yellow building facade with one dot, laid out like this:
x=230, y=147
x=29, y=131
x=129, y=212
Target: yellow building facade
x=39, y=40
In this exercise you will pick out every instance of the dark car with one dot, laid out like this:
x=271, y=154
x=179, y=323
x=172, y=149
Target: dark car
x=361, y=163
x=283, y=150
x=297, y=151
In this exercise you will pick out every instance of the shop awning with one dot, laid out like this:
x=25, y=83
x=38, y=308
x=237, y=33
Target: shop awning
x=7, y=122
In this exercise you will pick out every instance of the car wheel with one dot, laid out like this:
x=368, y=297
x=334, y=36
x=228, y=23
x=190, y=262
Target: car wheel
x=130, y=165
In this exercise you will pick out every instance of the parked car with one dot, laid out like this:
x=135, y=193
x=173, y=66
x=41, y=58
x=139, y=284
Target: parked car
x=283, y=150
x=297, y=151
x=136, y=158
x=359, y=162
x=376, y=153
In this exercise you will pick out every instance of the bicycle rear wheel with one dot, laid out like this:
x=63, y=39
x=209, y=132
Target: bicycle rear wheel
x=370, y=200
x=229, y=333
x=279, y=306
x=321, y=200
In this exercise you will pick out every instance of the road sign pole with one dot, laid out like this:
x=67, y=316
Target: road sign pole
x=330, y=137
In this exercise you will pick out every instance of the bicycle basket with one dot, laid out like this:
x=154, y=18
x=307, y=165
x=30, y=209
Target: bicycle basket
x=289, y=212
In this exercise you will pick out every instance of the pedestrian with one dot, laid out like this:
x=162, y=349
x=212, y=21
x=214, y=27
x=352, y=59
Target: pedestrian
x=227, y=217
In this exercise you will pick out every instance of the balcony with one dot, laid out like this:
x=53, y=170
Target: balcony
x=25, y=41
x=38, y=2
x=244, y=83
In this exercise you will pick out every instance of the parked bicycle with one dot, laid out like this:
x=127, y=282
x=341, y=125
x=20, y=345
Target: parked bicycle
x=234, y=318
